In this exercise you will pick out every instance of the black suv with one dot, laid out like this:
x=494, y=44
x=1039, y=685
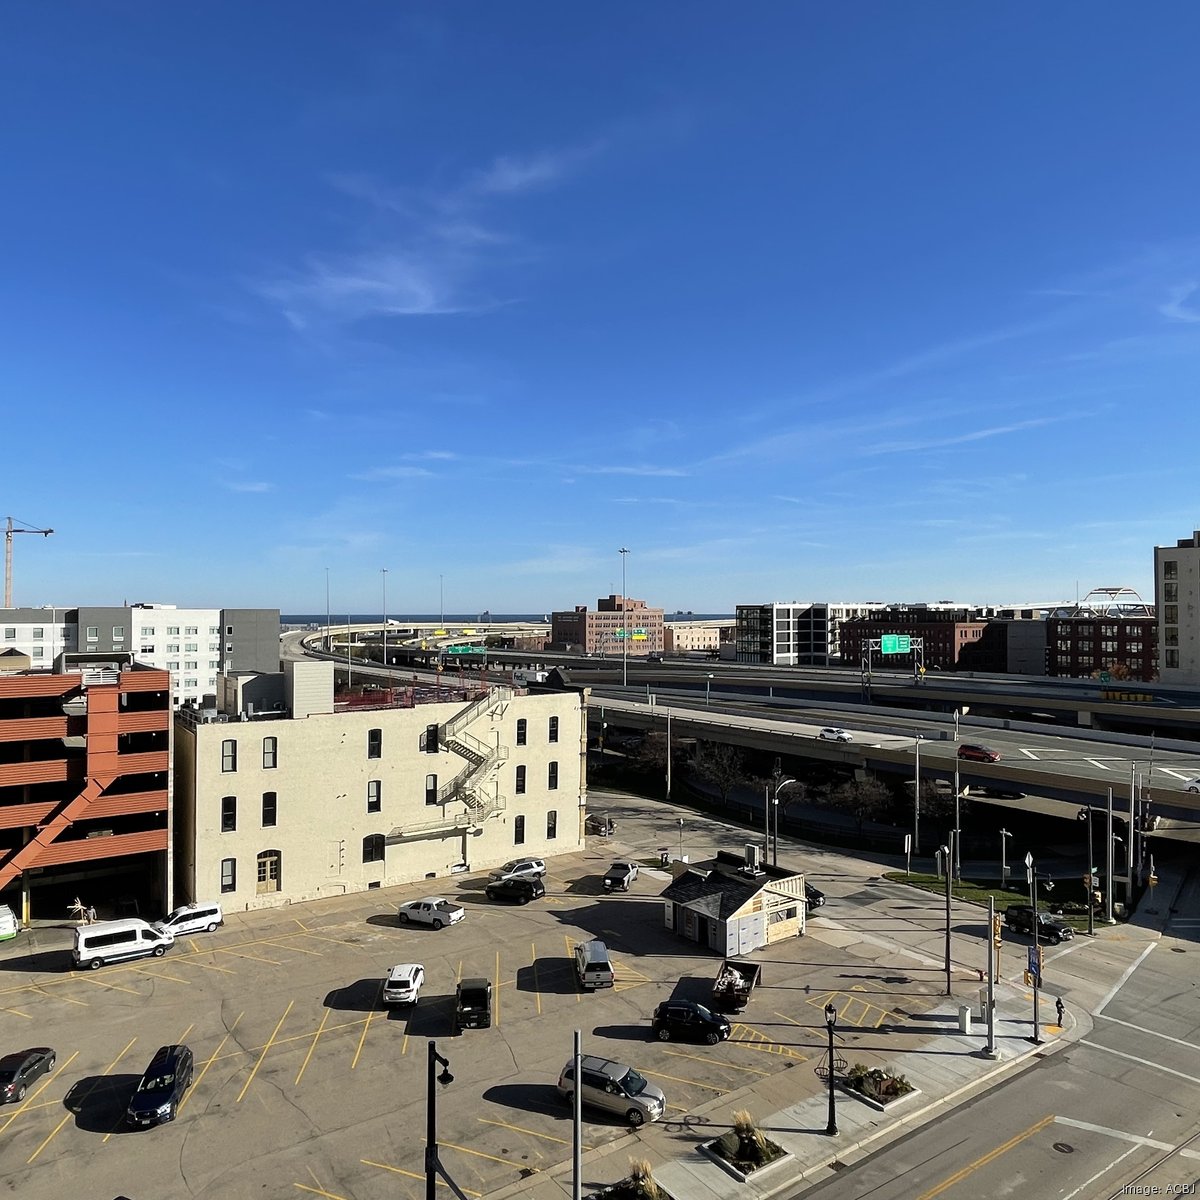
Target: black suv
x=693, y=1022
x=160, y=1090
x=515, y=891
x=473, y=1006
x=1019, y=917
x=813, y=897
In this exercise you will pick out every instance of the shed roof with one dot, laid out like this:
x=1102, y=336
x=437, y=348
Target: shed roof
x=718, y=888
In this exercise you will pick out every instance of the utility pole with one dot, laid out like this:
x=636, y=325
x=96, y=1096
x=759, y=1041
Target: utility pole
x=9, y=530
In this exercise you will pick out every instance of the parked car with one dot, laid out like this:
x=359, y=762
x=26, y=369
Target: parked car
x=613, y=1087
x=473, y=1005
x=599, y=823
x=22, y=1068
x=1019, y=917
x=620, y=875
x=160, y=1090
x=1192, y=785
x=436, y=911
x=403, y=984
x=977, y=753
x=1003, y=793
x=691, y=1022
x=515, y=890
x=813, y=897
x=520, y=868
x=833, y=734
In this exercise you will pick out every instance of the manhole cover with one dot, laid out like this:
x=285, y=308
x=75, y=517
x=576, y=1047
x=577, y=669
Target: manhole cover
x=1178, y=950
x=1064, y=1147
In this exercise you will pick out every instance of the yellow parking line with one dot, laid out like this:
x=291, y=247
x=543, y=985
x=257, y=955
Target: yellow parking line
x=295, y=1037
x=162, y=975
x=508, y=1162
x=192, y=943
x=694, y=1082
x=311, y=1048
x=289, y=946
x=212, y=1059
x=725, y=1065
x=301, y=924
x=16, y=1012
x=207, y=966
x=267, y=1047
x=116, y=987
x=522, y=1129
x=366, y=1026
x=252, y=957
x=54, y=1132
x=971, y=1168
x=412, y=1174
x=29, y=1103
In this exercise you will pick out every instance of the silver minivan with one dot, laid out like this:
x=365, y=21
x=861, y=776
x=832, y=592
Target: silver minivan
x=114, y=941
x=615, y=1088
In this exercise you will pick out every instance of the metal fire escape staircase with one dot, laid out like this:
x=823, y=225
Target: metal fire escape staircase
x=476, y=785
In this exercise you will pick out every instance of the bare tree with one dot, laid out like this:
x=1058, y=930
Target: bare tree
x=864, y=798
x=721, y=765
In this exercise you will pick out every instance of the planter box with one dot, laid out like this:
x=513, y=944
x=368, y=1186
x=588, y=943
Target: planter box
x=738, y=1174
x=879, y=1105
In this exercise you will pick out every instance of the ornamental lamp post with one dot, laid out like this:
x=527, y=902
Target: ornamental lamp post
x=831, y=1128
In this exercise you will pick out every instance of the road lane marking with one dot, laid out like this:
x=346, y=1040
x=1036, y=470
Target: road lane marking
x=270, y=1042
x=311, y=1048
x=367, y=1025
x=289, y=946
x=212, y=1059
x=691, y=1082
x=1142, y=1029
x=1120, y=1134
x=991, y=1155
x=496, y=997
x=207, y=966
x=1103, y=1171
x=54, y=1132
x=1145, y=1062
x=1116, y=987
x=301, y=924
x=412, y=1174
x=162, y=975
x=1029, y=754
x=1097, y=763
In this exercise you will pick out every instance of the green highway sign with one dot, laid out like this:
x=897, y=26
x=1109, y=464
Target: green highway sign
x=464, y=649
x=895, y=643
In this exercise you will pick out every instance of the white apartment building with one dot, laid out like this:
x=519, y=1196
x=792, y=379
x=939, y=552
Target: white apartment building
x=794, y=634
x=317, y=799
x=1177, y=605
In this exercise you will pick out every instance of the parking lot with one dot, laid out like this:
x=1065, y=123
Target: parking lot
x=304, y=1084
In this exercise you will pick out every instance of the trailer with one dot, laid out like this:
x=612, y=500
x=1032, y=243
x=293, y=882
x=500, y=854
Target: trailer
x=734, y=982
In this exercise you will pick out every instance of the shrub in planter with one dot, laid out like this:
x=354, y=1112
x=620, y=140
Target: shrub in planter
x=745, y=1146
x=637, y=1185
x=877, y=1083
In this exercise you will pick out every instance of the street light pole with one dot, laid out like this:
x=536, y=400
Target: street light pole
x=917, y=739
x=624, y=623
x=433, y=1165
x=668, y=754
x=1085, y=814
x=1037, y=957
x=1004, y=836
x=947, y=853
x=708, y=690
x=831, y=1128
x=957, y=826
x=383, y=571
x=779, y=786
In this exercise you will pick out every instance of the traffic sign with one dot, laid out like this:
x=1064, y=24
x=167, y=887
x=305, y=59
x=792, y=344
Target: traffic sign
x=895, y=643
x=464, y=649
x=1035, y=964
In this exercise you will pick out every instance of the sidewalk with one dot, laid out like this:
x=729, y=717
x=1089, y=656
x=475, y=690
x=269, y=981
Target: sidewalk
x=792, y=1106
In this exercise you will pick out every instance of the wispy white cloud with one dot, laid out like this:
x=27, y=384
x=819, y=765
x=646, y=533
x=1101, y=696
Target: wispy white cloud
x=1176, y=306
x=633, y=469
x=976, y=435
x=249, y=486
x=508, y=174
x=380, y=474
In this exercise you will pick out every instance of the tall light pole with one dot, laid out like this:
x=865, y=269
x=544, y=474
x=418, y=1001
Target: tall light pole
x=779, y=786
x=1085, y=814
x=1108, y=864
x=624, y=623
x=947, y=854
x=669, y=763
x=433, y=1164
x=1004, y=836
x=383, y=571
x=831, y=1128
x=328, y=634
x=1031, y=875
x=917, y=739
x=957, y=826
x=708, y=690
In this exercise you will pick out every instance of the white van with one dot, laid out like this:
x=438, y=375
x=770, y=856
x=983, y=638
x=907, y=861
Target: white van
x=593, y=968
x=8, y=923
x=112, y=941
x=203, y=916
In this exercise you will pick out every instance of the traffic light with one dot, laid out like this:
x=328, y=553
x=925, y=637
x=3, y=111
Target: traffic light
x=997, y=938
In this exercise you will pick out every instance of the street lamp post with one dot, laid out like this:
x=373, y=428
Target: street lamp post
x=1004, y=836
x=957, y=826
x=707, y=690
x=917, y=739
x=433, y=1165
x=957, y=714
x=383, y=571
x=624, y=623
x=830, y=1020
x=779, y=786
x=1031, y=875
x=947, y=853
x=680, y=819
x=1085, y=814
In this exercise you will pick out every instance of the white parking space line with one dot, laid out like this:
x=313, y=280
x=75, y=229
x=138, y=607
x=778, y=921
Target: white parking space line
x=1142, y=1029
x=1137, y=1138
x=1028, y=753
x=1097, y=763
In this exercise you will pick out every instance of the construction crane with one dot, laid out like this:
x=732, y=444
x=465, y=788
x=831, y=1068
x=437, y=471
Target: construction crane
x=9, y=530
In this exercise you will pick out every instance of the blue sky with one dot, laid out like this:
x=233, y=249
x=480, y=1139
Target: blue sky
x=794, y=301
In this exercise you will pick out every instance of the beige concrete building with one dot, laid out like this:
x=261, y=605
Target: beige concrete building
x=619, y=625
x=684, y=637
x=283, y=794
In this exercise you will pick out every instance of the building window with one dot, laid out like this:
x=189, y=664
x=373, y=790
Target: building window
x=270, y=747
x=229, y=631
x=1170, y=568
x=147, y=649
x=374, y=795
x=38, y=633
x=1171, y=614
x=229, y=755
x=37, y=652
x=553, y=731
x=172, y=647
x=519, y=787
x=551, y=825
x=270, y=863
x=229, y=875
x=552, y=776
x=214, y=630
x=173, y=665
x=172, y=631
x=118, y=633
x=268, y=809
x=1170, y=593
x=191, y=630
x=522, y=725
x=374, y=743
x=373, y=848
x=1170, y=658
x=191, y=648
x=1171, y=636
x=431, y=789
x=430, y=740
x=519, y=831
x=93, y=633
x=146, y=632
x=10, y=633
x=228, y=814
x=191, y=666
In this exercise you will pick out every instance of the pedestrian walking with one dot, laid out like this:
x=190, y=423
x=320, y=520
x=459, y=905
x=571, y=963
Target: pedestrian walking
x=1060, y=1008
x=91, y=914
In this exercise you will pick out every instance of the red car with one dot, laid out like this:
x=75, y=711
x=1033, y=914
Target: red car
x=978, y=753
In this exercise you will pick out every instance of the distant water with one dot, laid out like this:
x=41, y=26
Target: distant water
x=458, y=619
